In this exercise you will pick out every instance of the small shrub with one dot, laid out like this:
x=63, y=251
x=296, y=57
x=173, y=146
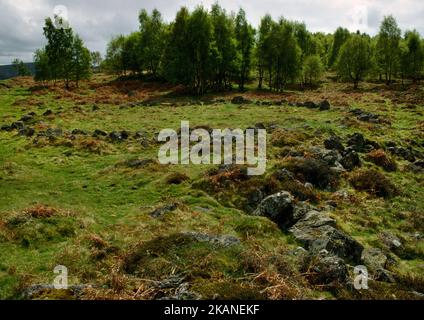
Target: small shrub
x=373, y=182
x=379, y=158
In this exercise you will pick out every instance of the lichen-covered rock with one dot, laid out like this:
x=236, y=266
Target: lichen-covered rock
x=279, y=208
x=329, y=269
x=220, y=240
x=374, y=258
x=321, y=234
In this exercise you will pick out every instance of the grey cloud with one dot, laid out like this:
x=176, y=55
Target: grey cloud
x=97, y=21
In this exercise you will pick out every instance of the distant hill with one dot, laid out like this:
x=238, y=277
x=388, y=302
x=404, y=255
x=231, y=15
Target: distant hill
x=8, y=71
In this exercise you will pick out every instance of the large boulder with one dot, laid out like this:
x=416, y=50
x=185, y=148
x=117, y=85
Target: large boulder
x=321, y=234
x=279, y=208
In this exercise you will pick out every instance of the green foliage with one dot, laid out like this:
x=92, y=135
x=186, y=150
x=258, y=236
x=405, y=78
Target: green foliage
x=177, y=66
x=42, y=71
x=285, y=55
x=388, y=47
x=223, y=48
x=263, y=48
x=115, y=62
x=81, y=61
x=340, y=37
x=208, y=50
x=21, y=68
x=355, y=59
x=412, y=56
x=313, y=69
x=245, y=40
x=151, y=42
x=64, y=57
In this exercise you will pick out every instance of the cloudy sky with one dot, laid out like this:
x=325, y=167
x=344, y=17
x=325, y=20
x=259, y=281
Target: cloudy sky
x=97, y=21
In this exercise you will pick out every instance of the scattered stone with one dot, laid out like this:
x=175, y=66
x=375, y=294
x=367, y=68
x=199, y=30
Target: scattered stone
x=309, y=186
x=80, y=132
x=139, y=135
x=173, y=281
x=357, y=142
x=27, y=132
x=54, y=132
x=221, y=241
x=38, y=290
x=384, y=276
x=416, y=167
x=332, y=157
x=405, y=153
x=364, y=116
x=27, y=118
x=6, y=127
x=99, y=133
x=18, y=125
x=183, y=292
x=279, y=208
x=324, y=105
x=164, y=210
x=240, y=100
x=392, y=242
x=310, y=105
x=350, y=160
x=284, y=175
x=119, y=136
x=334, y=143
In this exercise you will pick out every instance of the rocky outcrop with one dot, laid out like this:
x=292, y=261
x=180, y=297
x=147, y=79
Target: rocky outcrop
x=318, y=232
x=279, y=208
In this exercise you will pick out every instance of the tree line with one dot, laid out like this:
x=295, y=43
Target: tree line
x=210, y=50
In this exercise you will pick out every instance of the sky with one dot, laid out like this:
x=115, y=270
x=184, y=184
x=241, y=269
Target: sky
x=97, y=21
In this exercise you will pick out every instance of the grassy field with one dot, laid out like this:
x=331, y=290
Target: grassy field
x=85, y=201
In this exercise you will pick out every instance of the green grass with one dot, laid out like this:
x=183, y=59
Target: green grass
x=113, y=201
